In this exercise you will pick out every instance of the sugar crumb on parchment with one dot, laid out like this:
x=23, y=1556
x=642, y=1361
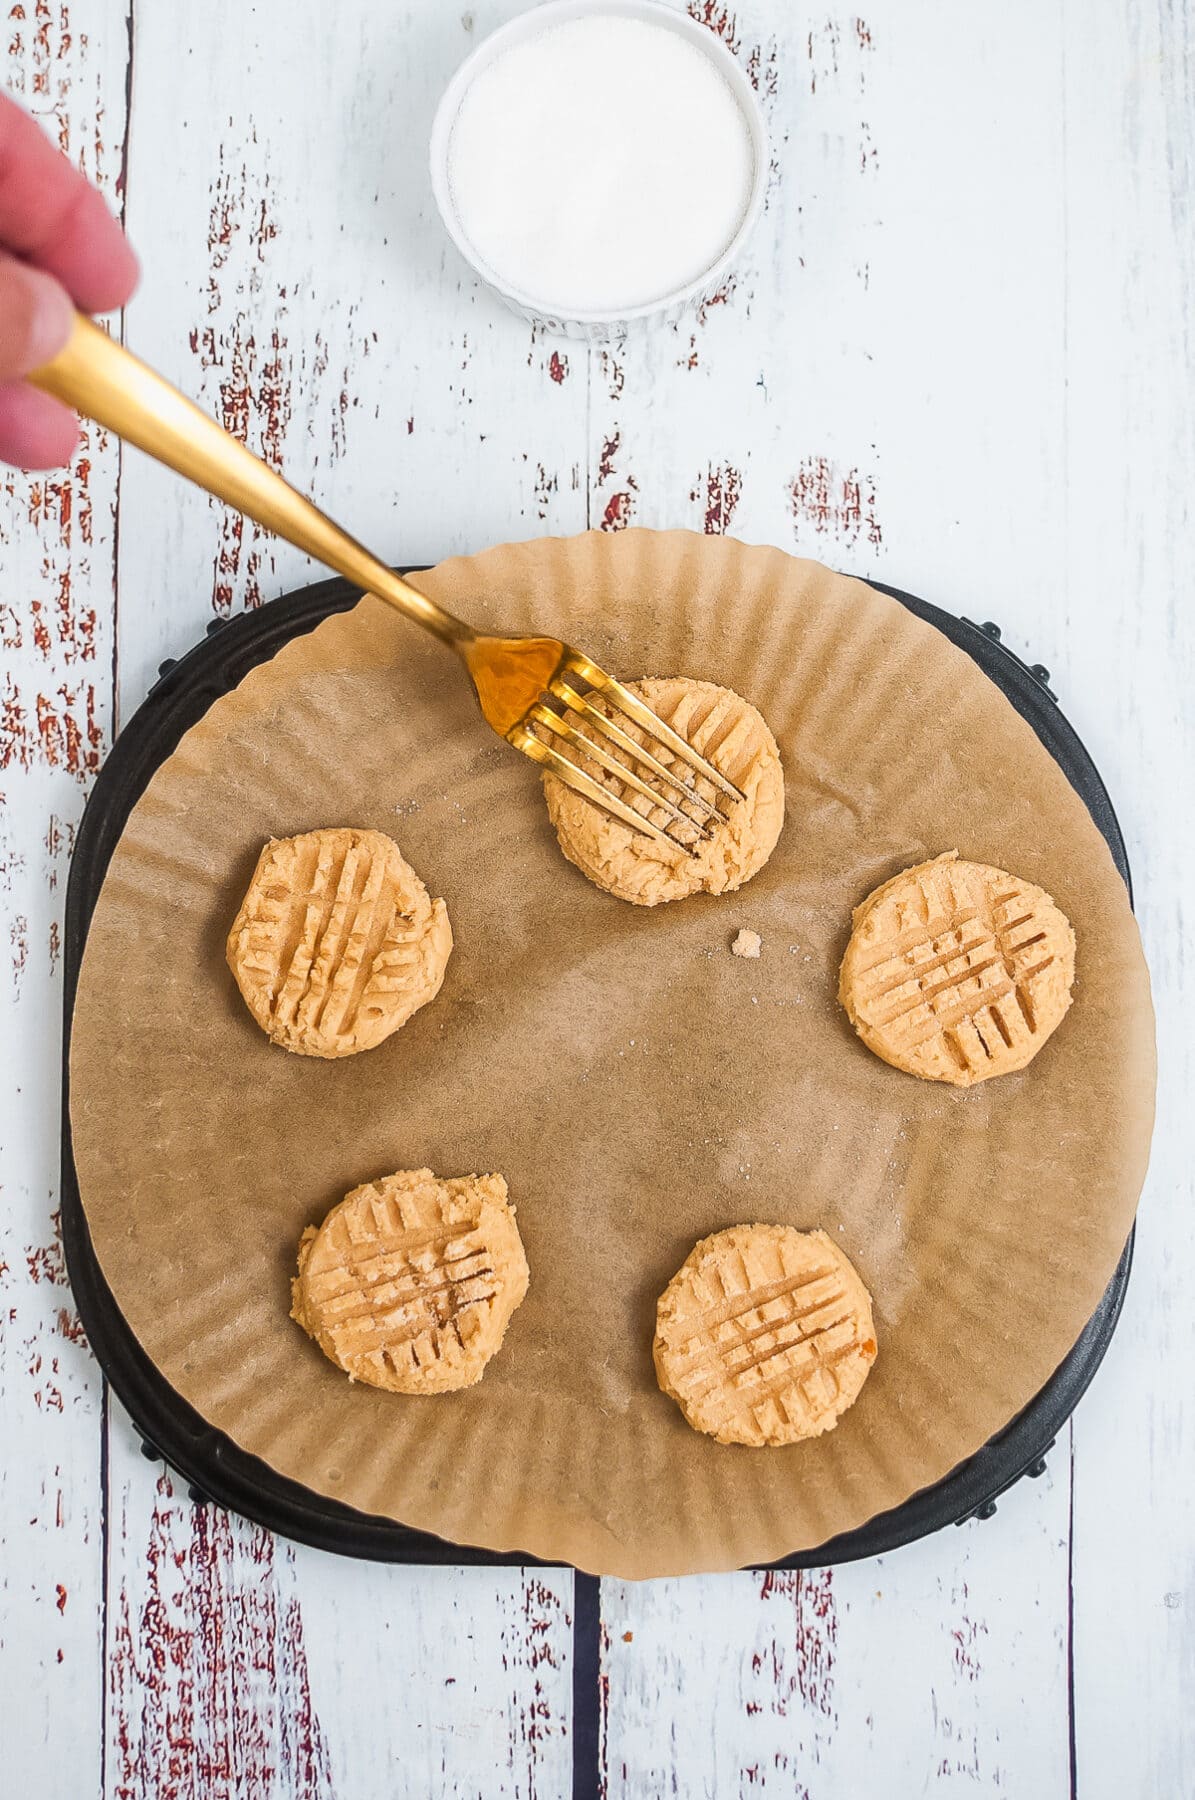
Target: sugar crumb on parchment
x=747, y=943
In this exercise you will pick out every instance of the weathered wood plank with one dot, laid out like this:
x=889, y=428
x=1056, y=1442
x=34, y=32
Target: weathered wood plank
x=208, y=1690
x=1125, y=616
x=299, y=285
x=66, y=62
x=940, y=1668
x=240, y=1665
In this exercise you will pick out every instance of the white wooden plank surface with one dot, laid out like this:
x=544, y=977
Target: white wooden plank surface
x=56, y=642
x=940, y=1668
x=239, y=1664
x=1127, y=612
x=955, y=357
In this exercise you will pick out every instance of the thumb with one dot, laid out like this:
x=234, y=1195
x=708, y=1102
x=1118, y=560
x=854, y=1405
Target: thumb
x=36, y=316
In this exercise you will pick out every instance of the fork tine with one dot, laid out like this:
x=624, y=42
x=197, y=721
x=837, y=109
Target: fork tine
x=655, y=727
x=612, y=765
x=616, y=735
x=524, y=739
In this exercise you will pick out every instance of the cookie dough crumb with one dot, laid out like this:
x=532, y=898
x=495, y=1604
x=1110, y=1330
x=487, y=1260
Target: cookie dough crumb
x=747, y=943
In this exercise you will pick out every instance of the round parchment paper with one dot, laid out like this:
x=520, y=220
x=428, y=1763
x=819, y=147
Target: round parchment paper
x=637, y=1085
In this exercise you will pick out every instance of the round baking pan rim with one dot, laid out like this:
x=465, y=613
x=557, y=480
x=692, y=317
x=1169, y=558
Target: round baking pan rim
x=217, y=1470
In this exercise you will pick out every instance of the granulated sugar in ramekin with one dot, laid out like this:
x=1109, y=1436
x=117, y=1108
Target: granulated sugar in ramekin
x=600, y=164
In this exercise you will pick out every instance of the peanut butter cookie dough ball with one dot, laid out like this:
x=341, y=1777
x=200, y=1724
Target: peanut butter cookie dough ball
x=729, y=733
x=764, y=1335
x=957, y=971
x=410, y=1282
x=337, y=942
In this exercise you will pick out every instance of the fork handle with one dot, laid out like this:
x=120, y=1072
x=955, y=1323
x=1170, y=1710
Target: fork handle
x=96, y=375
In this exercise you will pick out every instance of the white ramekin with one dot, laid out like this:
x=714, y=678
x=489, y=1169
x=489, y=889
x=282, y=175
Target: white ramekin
x=599, y=327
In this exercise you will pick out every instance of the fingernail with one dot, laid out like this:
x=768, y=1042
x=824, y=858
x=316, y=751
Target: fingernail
x=51, y=317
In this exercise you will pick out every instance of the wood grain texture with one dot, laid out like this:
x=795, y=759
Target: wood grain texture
x=67, y=63
x=957, y=357
x=941, y=1668
x=242, y=1665
x=300, y=284
x=1125, y=619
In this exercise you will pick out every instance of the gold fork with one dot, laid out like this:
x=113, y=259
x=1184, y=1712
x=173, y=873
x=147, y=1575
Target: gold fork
x=521, y=682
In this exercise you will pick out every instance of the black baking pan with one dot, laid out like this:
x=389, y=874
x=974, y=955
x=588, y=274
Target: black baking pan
x=216, y=1469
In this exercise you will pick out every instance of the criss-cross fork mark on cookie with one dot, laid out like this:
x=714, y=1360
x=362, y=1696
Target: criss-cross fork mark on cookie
x=331, y=943
x=409, y=1283
x=330, y=931
x=404, y=1303
x=723, y=729
x=757, y=1360
x=960, y=969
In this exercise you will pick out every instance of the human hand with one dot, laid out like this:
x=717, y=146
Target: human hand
x=60, y=248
